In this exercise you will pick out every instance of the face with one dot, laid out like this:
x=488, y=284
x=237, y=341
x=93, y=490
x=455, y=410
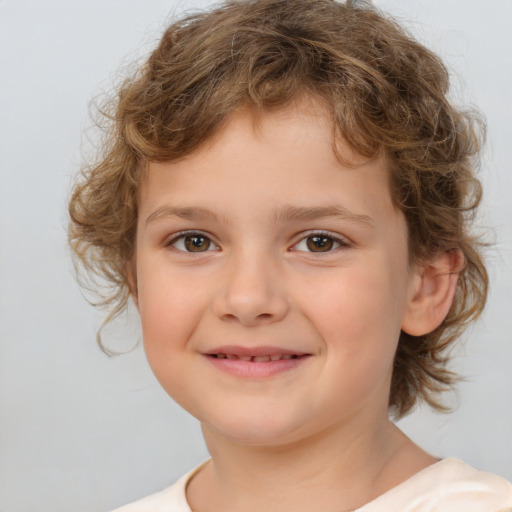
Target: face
x=272, y=280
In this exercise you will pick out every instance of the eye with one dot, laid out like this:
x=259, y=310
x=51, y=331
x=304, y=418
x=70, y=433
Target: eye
x=192, y=242
x=319, y=242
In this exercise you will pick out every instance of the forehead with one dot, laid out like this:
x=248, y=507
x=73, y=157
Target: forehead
x=290, y=156
x=305, y=117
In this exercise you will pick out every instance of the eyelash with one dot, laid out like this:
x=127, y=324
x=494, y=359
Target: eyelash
x=341, y=242
x=184, y=234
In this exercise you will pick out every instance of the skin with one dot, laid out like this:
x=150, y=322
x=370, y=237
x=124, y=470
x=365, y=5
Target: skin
x=316, y=436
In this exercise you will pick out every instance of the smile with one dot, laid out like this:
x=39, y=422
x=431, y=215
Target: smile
x=256, y=362
x=258, y=359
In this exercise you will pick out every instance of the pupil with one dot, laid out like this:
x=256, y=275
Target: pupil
x=196, y=243
x=319, y=243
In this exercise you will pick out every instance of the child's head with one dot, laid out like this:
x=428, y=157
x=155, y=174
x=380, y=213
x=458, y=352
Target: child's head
x=384, y=96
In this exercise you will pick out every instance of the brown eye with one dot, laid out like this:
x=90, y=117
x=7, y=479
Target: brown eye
x=196, y=243
x=319, y=243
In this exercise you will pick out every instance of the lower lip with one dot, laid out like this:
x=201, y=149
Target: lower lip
x=249, y=369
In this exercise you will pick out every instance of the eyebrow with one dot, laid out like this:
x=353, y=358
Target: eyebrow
x=283, y=214
x=183, y=212
x=289, y=213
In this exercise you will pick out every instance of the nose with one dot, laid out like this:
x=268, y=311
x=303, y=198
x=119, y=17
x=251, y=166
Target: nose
x=252, y=292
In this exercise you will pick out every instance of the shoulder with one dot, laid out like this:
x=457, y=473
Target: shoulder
x=447, y=486
x=171, y=499
x=462, y=487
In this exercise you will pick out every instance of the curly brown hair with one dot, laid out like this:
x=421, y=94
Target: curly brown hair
x=385, y=92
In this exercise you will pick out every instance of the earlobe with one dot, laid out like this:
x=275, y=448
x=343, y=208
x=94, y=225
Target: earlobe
x=131, y=279
x=432, y=293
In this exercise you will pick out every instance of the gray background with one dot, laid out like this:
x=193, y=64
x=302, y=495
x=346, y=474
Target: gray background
x=83, y=432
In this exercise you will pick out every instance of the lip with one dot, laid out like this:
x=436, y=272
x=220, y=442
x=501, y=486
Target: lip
x=253, y=351
x=255, y=369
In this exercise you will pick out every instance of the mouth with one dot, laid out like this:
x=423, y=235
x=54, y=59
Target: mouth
x=255, y=362
x=257, y=359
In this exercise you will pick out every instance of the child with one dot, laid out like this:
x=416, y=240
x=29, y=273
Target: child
x=286, y=196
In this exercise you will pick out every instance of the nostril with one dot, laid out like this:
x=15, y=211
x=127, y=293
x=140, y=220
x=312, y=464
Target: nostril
x=250, y=309
x=229, y=316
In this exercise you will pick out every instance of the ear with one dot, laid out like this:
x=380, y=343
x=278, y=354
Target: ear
x=432, y=293
x=131, y=278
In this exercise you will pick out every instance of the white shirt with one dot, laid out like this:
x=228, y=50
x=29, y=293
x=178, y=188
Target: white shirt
x=450, y=485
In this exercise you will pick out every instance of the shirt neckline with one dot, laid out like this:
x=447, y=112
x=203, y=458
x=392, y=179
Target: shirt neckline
x=185, y=480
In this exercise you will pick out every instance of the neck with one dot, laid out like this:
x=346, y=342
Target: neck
x=338, y=469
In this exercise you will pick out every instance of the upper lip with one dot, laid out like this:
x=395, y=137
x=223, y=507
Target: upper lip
x=253, y=351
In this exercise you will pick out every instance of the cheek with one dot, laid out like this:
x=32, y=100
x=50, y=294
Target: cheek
x=359, y=316
x=359, y=322
x=168, y=319
x=170, y=308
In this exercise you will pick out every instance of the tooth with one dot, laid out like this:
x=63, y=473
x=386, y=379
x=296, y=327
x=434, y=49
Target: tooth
x=232, y=357
x=275, y=357
x=287, y=356
x=221, y=356
x=261, y=359
x=245, y=358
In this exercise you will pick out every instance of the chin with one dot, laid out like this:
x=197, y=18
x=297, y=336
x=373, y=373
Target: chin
x=264, y=430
